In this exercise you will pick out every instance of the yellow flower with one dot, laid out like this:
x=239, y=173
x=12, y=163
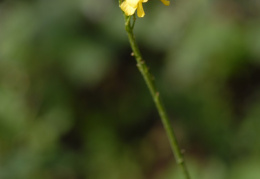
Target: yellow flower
x=130, y=6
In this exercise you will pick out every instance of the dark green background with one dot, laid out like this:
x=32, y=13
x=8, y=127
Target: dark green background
x=74, y=106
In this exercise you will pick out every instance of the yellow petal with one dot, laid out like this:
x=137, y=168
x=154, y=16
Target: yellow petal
x=166, y=2
x=128, y=9
x=133, y=3
x=144, y=1
x=140, y=10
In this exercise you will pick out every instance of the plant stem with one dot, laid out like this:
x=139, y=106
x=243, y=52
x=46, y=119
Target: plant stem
x=156, y=97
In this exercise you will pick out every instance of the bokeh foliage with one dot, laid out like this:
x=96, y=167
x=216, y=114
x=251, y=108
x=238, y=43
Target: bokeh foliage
x=73, y=104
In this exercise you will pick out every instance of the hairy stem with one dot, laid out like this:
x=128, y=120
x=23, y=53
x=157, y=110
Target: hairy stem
x=155, y=95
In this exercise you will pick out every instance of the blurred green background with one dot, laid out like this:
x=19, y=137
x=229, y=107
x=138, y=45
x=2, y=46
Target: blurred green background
x=74, y=106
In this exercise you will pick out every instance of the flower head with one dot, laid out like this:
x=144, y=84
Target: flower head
x=130, y=6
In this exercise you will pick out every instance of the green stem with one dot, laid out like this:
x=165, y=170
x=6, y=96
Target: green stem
x=156, y=97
